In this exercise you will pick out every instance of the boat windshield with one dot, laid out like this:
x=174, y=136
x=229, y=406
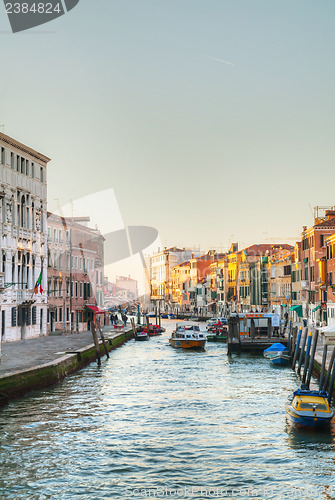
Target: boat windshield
x=312, y=406
x=192, y=327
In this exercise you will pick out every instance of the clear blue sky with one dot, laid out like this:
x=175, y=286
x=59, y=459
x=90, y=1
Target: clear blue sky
x=132, y=95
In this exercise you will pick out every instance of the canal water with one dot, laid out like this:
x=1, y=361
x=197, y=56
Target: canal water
x=156, y=422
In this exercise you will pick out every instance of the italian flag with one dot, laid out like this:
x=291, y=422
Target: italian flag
x=38, y=284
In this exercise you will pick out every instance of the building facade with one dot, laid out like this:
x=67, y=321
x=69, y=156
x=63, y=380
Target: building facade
x=23, y=235
x=75, y=272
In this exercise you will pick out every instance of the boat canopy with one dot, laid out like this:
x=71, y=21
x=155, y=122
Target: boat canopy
x=276, y=348
x=306, y=392
x=186, y=324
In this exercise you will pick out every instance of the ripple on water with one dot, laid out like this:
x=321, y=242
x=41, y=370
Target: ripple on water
x=153, y=416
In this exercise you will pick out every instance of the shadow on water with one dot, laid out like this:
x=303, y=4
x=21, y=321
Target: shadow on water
x=310, y=439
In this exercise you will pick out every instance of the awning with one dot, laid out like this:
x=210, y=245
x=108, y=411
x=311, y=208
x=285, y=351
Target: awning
x=297, y=309
x=316, y=308
x=305, y=260
x=95, y=309
x=284, y=305
x=329, y=329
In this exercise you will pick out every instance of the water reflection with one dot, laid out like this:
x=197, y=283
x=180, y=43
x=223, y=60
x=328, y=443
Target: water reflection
x=156, y=416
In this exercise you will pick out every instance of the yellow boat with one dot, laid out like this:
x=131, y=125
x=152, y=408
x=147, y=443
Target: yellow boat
x=187, y=335
x=309, y=409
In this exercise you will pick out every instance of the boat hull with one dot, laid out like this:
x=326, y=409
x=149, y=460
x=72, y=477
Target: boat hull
x=187, y=344
x=216, y=338
x=141, y=338
x=304, y=422
x=280, y=360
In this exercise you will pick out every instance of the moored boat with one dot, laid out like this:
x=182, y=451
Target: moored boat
x=187, y=335
x=217, y=333
x=142, y=336
x=274, y=350
x=280, y=359
x=309, y=409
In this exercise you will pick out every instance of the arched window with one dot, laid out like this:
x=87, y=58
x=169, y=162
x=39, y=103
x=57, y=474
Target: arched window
x=33, y=216
x=23, y=212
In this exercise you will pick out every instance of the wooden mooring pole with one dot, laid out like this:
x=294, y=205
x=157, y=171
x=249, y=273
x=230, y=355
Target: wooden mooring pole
x=289, y=341
x=331, y=385
x=323, y=366
x=133, y=326
x=297, y=348
x=330, y=366
x=311, y=361
x=233, y=337
x=96, y=342
x=308, y=348
x=103, y=340
x=302, y=350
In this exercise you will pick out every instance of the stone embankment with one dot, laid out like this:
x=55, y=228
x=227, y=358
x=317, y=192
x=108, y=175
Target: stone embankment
x=37, y=363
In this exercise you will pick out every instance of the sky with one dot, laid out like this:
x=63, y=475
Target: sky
x=213, y=121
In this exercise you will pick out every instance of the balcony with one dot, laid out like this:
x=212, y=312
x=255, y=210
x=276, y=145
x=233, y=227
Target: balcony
x=23, y=296
x=304, y=285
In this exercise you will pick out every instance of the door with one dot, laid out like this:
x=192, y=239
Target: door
x=23, y=313
x=3, y=325
x=52, y=321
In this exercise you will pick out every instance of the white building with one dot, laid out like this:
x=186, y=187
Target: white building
x=161, y=265
x=23, y=215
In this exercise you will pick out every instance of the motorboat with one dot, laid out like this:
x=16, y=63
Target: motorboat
x=211, y=322
x=217, y=333
x=187, y=335
x=276, y=351
x=309, y=409
x=143, y=335
x=154, y=330
x=281, y=359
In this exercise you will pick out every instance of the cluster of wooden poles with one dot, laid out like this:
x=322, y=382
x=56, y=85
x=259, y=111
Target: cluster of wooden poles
x=304, y=355
x=95, y=324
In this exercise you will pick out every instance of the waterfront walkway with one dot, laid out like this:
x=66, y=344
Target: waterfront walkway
x=26, y=354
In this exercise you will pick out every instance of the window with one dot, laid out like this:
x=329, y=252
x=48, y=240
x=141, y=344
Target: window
x=41, y=175
x=55, y=235
x=34, y=315
x=13, y=316
x=60, y=236
x=12, y=161
x=33, y=170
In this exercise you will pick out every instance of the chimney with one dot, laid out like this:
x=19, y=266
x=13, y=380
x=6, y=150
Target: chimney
x=330, y=214
x=304, y=228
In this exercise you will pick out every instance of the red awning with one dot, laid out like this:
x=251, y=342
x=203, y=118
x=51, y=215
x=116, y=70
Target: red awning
x=95, y=309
